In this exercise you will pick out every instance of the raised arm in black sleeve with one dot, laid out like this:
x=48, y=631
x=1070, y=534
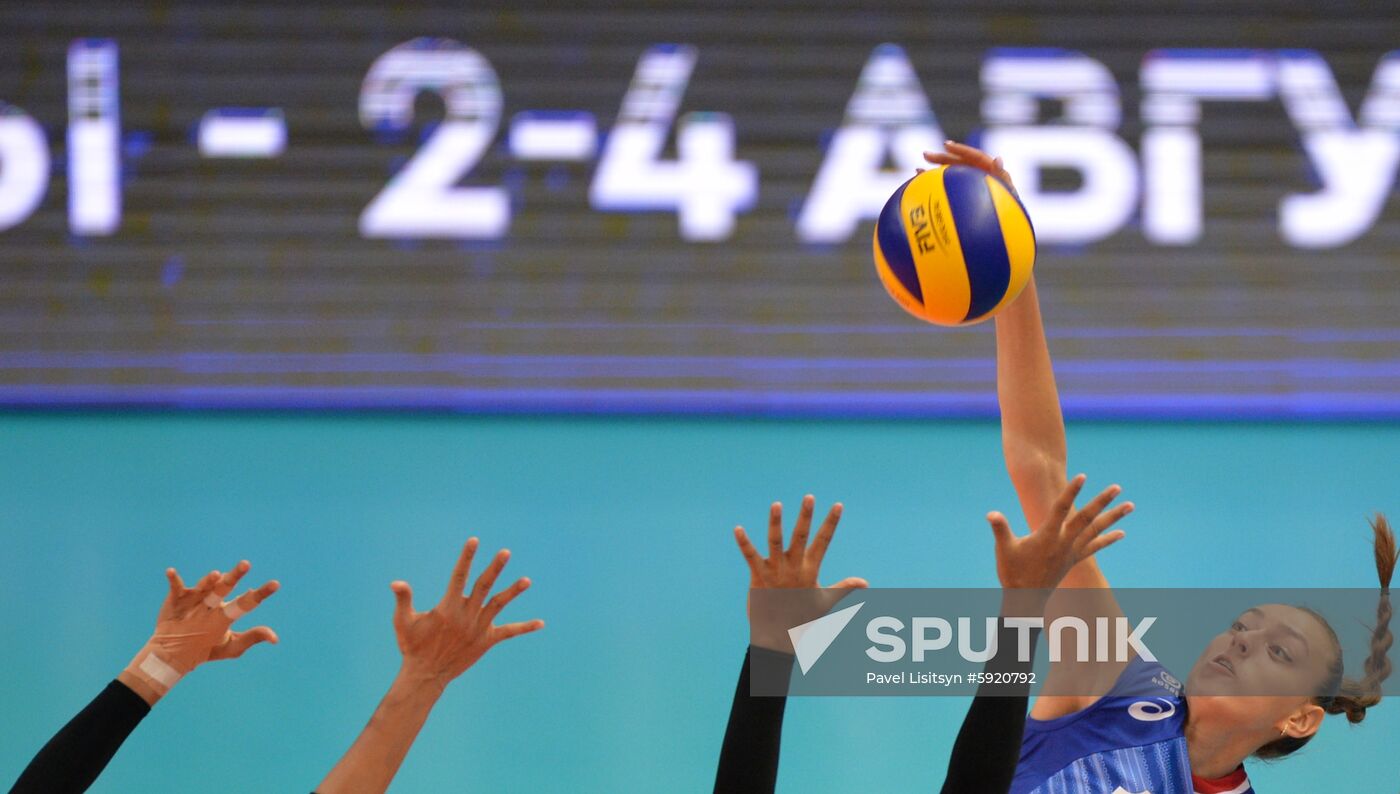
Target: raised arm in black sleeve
x=748, y=761
x=984, y=755
x=988, y=746
x=78, y=753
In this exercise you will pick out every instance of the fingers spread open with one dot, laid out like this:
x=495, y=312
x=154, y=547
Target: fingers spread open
x=457, y=583
x=798, y=547
x=1103, y=522
x=177, y=585
x=1099, y=544
x=204, y=587
x=237, y=642
x=1001, y=530
x=499, y=601
x=824, y=535
x=751, y=555
x=775, y=531
x=230, y=580
x=1091, y=511
x=1065, y=502
x=403, y=604
x=249, y=601
x=509, y=630
x=487, y=579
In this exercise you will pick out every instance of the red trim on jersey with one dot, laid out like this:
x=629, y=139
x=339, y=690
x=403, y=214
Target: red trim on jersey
x=1235, y=781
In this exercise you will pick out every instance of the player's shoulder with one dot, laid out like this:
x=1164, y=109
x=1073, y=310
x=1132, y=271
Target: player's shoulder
x=1144, y=692
x=1143, y=708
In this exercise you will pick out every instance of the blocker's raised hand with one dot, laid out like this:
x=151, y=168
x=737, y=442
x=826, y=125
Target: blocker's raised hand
x=194, y=626
x=799, y=565
x=437, y=646
x=440, y=644
x=796, y=567
x=1041, y=559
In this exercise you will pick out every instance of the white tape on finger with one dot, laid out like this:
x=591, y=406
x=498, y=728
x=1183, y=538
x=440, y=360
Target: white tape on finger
x=213, y=601
x=234, y=611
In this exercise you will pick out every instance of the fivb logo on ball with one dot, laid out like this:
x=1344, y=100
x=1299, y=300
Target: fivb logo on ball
x=953, y=245
x=931, y=634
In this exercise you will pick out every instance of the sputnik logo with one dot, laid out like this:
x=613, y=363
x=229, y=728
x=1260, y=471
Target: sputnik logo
x=811, y=639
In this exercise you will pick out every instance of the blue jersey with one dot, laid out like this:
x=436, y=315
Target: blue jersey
x=1131, y=741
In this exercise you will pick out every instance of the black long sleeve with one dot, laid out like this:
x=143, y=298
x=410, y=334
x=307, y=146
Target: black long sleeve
x=984, y=756
x=988, y=746
x=748, y=761
x=78, y=753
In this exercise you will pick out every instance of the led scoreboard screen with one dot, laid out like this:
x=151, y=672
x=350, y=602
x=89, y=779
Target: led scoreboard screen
x=668, y=207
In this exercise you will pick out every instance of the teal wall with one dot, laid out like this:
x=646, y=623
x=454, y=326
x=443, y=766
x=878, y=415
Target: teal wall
x=624, y=525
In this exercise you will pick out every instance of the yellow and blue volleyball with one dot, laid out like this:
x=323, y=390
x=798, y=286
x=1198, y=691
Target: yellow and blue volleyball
x=953, y=245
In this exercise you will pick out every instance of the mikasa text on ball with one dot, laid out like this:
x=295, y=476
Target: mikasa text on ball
x=953, y=245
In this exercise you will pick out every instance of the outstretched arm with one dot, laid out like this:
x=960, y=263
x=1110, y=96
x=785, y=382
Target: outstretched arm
x=753, y=737
x=437, y=646
x=193, y=626
x=78, y=753
x=1032, y=427
x=1033, y=442
x=748, y=760
x=988, y=746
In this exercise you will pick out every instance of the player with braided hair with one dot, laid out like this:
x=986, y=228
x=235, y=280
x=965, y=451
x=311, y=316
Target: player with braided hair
x=1138, y=730
x=1338, y=694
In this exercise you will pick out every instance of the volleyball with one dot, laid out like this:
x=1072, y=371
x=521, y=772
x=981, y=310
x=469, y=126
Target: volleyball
x=954, y=245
